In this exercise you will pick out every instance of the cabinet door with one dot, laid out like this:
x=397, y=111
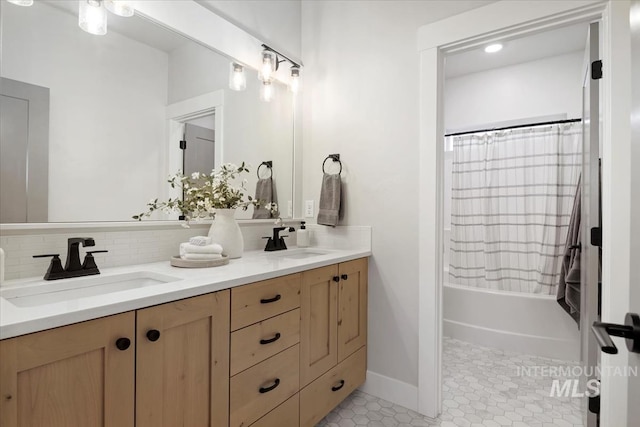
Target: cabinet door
x=352, y=307
x=182, y=373
x=319, y=323
x=70, y=376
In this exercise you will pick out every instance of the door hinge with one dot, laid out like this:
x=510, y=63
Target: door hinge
x=183, y=145
x=596, y=70
x=596, y=236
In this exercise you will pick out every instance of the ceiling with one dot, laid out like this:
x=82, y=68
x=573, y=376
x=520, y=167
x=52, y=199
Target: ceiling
x=515, y=51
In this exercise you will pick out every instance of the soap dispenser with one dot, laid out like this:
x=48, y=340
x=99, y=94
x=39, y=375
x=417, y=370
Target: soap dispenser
x=302, y=236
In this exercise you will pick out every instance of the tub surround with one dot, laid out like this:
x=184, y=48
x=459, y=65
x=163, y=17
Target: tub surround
x=342, y=244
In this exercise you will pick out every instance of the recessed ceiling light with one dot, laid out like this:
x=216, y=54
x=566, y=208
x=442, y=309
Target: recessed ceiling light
x=493, y=48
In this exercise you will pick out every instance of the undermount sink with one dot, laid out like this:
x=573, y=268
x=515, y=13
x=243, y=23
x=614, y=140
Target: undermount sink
x=300, y=253
x=81, y=287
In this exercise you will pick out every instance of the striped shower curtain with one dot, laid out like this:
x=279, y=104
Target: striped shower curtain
x=512, y=195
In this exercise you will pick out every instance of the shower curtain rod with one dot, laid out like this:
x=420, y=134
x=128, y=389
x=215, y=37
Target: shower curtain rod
x=555, y=122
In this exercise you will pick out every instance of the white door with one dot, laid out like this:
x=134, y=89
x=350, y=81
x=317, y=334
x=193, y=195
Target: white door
x=590, y=252
x=634, y=297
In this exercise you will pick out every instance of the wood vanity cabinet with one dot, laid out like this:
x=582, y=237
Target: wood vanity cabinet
x=77, y=375
x=173, y=370
x=182, y=363
x=277, y=353
x=333, y=337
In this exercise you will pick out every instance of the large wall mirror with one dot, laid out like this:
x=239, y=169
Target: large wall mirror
x=91, y=125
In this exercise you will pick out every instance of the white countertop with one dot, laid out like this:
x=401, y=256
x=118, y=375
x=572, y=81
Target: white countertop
x=254, y=266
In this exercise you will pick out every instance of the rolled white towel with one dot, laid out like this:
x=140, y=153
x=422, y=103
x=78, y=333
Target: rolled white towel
x=200, y=240
x=201, y=257
x=188, y=248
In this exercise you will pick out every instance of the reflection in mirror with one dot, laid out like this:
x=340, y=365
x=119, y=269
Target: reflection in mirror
x=118, y=107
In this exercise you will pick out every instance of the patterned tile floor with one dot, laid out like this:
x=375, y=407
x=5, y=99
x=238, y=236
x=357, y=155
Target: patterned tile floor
x=482, y=387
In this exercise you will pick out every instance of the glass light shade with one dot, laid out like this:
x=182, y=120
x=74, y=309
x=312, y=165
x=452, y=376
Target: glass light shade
x=268, y=67
x=120, y=7
x=21, y=2
x=294, y=81
x=92, y=17
x=266, y=91
x=237, y=77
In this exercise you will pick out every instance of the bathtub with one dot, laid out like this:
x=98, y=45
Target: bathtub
x=511, y=321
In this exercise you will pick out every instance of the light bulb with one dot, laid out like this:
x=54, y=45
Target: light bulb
x=294, y=81
x=237, y=77
x=92, y=17
x=22, y=2
x=493, y=48
x=120, y=7
x=268, y=66
x=266, y=91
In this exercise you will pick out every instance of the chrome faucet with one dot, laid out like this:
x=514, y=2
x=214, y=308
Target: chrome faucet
x=73, y=267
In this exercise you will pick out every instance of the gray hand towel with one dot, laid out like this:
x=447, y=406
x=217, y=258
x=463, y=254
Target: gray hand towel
x=568, y=295
x=265, y=193
x=329, y=209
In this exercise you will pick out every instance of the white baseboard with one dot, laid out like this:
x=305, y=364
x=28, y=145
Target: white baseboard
x=392, y=390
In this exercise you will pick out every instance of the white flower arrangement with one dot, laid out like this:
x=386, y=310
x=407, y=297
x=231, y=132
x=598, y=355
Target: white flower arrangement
x=203, y=194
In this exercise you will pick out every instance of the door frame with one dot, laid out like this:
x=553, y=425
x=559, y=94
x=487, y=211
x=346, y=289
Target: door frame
x=472, y=29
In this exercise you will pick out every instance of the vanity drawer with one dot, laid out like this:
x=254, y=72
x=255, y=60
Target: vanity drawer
x=262, y=300
x=285, y=415
x=259, y=389
x=321, y=396
x=255, y=343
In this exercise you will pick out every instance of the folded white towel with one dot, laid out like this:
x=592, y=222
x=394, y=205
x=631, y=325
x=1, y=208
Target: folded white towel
x=200, y=240
x=188, y=248
x=201, y=257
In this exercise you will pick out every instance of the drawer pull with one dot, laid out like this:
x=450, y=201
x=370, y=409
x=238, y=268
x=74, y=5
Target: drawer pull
x=270, y=340
x=338, y=387
x=268, y=300
x=275, y=384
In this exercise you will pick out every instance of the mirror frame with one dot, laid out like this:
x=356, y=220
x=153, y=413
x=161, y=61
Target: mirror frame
x=205, y=27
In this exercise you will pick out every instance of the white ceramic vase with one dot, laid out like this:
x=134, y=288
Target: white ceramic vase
x=226, y=232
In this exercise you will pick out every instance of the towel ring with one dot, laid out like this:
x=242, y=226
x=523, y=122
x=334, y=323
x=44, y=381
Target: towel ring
x=269, y=165
x=335, y=158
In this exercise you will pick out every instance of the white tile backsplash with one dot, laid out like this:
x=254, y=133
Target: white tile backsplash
x=131, y=245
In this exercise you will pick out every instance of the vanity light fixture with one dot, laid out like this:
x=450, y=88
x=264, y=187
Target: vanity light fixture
x=271, y=60
x=266, y=91
x=21, y=2
x=237, y=77
x=493, y=48
x=92, y=17
x=294, y=81
x=269, y=65
x=120, y=7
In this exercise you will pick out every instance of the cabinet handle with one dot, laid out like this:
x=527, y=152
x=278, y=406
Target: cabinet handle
x=275, y=384
x=336, y=279
x=268, y=300
x=270, y=340
x=338, y=387
x=153, y=335
x=344, y=277
x=123, y=343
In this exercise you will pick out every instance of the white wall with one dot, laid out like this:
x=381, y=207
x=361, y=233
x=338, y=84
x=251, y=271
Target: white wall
x=275, y=22
x=91, y=130
x=361, y=100
x=545, y=87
